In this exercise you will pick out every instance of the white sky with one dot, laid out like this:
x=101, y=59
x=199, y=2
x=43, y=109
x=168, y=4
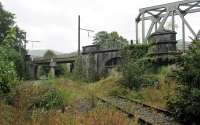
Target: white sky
x=54, y=22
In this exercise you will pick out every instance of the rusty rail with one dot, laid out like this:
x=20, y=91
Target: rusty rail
x=157, y=109
x=141, y=121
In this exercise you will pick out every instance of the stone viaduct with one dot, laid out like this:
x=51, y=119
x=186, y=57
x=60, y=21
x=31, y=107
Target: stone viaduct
x=95, y=62
x=32, y=64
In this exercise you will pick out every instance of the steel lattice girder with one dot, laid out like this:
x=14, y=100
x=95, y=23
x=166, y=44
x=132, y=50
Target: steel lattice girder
x=159, y=15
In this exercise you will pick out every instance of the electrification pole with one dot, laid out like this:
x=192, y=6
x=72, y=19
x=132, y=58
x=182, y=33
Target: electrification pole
x=79, y=33
x=79, y=28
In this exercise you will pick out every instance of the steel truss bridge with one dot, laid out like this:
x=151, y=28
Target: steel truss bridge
x=158, y=16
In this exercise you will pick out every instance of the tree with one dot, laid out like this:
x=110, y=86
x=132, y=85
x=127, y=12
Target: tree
x=109, y=40
x=8, y=74
x=12, y=51
x=15, y=41
x=18, y=52
x=49, y=54
x=6, y=22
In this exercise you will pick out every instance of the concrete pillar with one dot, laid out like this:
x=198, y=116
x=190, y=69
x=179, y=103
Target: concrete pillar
x=52, y=68
x=71, y=67
x=33, y=71
x=30, y=68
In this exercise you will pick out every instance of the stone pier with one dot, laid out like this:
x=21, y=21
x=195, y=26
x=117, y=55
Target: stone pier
x=52, y=68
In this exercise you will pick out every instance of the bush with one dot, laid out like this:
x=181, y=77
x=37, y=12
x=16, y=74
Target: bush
x=8, y=74
x=49, y=98
x=189, y=71
x=132, y=75
x=186, y=106
x=28, y=96
x=134, y=51
x=131, y=70
x=11, y=59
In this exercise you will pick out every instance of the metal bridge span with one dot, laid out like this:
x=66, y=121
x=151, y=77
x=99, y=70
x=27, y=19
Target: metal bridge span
x=159, y=14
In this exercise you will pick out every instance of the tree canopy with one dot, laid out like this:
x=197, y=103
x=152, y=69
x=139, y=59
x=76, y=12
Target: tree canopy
x=6, y=22
x=49, y=54
x=109, y=40
x=12, y=51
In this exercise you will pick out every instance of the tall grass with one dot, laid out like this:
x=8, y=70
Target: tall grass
x=157, y=94
x=76, y=98
x=107, y=86
x=98, y=116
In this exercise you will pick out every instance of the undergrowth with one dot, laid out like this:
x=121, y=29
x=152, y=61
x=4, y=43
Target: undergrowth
x=155, y=94
x=37, y=103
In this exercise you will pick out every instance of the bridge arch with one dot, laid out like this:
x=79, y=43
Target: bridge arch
x=112, y=62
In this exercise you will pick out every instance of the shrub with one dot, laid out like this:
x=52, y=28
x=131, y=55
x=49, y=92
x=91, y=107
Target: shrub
x=185, y=106
x=131, y=70
x=8, y=74
x=78, y=73
x=134, y=51
x=189, y=71
x=49, y=98
x=11, y=60
x=28, y=96
x=132, y=75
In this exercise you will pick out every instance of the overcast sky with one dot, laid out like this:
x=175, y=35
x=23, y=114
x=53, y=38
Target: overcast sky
x=54, y=22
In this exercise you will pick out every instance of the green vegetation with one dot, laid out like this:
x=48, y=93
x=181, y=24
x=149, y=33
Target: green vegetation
x=185, y=105
x=109, y=40
x=44, y=70
x=59, y=101
x=133, y=75
x=148, y=82
x=12, y=52
x=189, y=72
x=131, y=67
x=78, y=74
x=70, y=100
x=134, y=52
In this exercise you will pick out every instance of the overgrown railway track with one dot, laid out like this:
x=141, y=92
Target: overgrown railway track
x=146, y=114
x=157, y=109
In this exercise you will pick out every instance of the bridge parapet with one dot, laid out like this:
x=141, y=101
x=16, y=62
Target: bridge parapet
x=97, y=49
x=56, y=59
x=91, y=48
